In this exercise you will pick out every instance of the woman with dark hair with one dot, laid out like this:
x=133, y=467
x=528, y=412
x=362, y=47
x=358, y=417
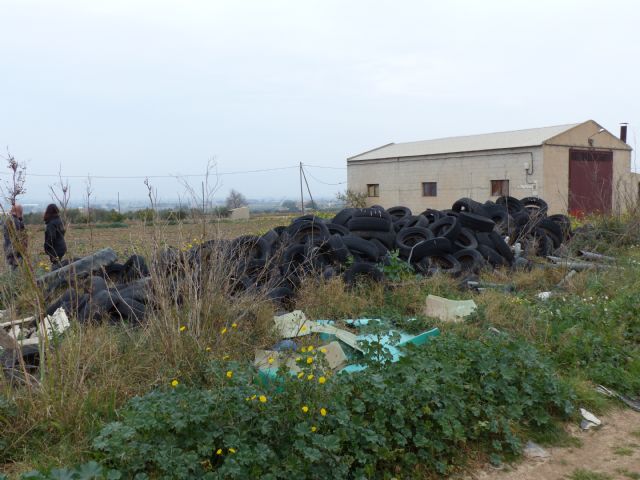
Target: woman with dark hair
x=54, y=244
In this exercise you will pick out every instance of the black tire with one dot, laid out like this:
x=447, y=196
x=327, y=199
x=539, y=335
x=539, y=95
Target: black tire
x=369, y=224
x=498, y=214
x=432, y=215
x=466, y=239
x=387, y=238
x=128, y=309
x=343, y=216
x=501, y=247
x=492, y=256
x=512, y=204
x=475, y=222
x=382, y=248
x=467, y=205
x=371, y=212
x=134, y=268
x=250, y=247
x=535, y=206
x=271, y=237
x=564, y=223
x=339, y=250
x=360, y=269
x=280, y=294
x=447, y=227
x=471, y=260
x=553, y=230
x=484, y=239
x=361, y=246
x=307, y=230
x=335, y=228
x=407, y=238
x=294, y=255
x=433, y=246
x=443, y=263
x=398, y=213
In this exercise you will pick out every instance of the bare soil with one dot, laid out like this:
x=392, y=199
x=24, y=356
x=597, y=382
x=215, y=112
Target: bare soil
x=613, y=450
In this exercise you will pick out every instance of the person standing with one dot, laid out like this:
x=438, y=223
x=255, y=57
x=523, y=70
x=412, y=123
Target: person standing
x=15, y=238
x=54, y=244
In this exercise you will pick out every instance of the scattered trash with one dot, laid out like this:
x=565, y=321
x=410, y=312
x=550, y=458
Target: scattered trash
x=544, y=296
x=533, y=450
x=448, y=310
x=295, y=324
x=589, y=420
x=566, y=279
x=595, y=256
x=633, y=403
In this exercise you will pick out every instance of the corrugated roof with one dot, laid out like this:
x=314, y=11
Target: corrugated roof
x=470, y=143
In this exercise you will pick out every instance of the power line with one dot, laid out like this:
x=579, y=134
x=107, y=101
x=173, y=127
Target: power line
x=324, y=166
x=324, y=183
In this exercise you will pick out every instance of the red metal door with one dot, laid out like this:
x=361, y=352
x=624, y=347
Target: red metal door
x=590, y=181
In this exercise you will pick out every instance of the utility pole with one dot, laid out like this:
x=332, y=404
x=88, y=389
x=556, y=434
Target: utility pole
x=308, y=189
x=301, y=193
x=119, y=212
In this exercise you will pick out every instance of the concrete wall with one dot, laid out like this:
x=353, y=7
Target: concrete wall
x=241, y=213
x=556, y=166
x=457, y=175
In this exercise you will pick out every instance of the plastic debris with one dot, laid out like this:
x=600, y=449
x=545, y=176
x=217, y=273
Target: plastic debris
x=449, y=310
x=633, y=403
x=589, y=420
x=533, y=450
x=544, y=295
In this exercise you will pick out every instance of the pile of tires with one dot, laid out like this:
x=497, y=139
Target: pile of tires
x=355, y=243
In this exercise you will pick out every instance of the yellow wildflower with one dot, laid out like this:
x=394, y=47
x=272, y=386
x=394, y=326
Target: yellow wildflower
x=310, y=376
x=301, y=374
x=229, y=374
x=305, y=409
x=232, y=450
x=310, y=348
x=223, y=331
x=262, y=399
x=323, y=350
x=219, y=451
x=321, y=380
x=183, y=328
x=298, y=359
x=270, y=361
x=314, y=428
x=304, y=327
x=174, y=383
x=253, y=397
x=225, y=357
x=309, y=360
x=208, y=349
x=323, y=412
x=303, y=349
x=234, y=325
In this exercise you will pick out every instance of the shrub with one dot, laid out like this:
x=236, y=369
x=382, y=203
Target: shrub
x=422, y=411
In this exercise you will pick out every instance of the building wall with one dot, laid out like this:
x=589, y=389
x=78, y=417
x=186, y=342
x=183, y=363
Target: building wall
x=556, y=167
x=457, y=175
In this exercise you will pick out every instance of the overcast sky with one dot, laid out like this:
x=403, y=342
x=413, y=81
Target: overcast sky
x=138, y=88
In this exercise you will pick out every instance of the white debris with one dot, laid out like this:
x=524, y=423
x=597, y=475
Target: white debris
x=589, y=420
x=449, y=310
x=533, y=450
x=544, y=295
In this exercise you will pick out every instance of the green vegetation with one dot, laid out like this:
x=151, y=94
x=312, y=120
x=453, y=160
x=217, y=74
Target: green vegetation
x=107, y=405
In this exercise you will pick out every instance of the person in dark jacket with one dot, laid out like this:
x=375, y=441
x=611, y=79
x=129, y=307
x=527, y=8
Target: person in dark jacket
x=54, y=244
x=15, y=237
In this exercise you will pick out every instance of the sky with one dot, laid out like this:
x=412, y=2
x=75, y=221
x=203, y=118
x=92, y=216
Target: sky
x=161, y=89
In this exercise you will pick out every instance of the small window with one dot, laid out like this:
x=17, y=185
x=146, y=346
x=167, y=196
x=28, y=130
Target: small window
x=429, y=189
x=499, y=188
x=373, y=190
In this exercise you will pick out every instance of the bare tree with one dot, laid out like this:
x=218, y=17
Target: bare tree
x=61, y=194
x=14, y=187
x=236, y=200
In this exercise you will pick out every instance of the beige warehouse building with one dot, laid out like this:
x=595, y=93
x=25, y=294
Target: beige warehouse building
x=577, y=168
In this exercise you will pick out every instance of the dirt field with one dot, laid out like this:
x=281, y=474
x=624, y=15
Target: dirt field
x=613, y=451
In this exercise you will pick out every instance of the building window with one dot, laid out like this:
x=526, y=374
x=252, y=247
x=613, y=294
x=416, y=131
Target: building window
x=429, y=189
x=373, y=190
x=499, y=188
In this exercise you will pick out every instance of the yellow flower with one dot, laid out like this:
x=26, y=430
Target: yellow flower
x=321, y=380
x=174, y=383
x=247, y=399
x=309, y=360
x=253, y=397
x=229, y=374
x=262, y=399
x=225, y=357
x=301, y=374
x=234, y=325
x=313, y=428
x=270, y=360
x=303, y=349
x=298, y=359
x=223, y=331
x=310, y=348
x=323, y=350
x=219, y=451
x=208, y=349
x=232, y=450
x=304, y=327
x=305, y=409
x=323, y=412
x=183, y=328
x=310, y=376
